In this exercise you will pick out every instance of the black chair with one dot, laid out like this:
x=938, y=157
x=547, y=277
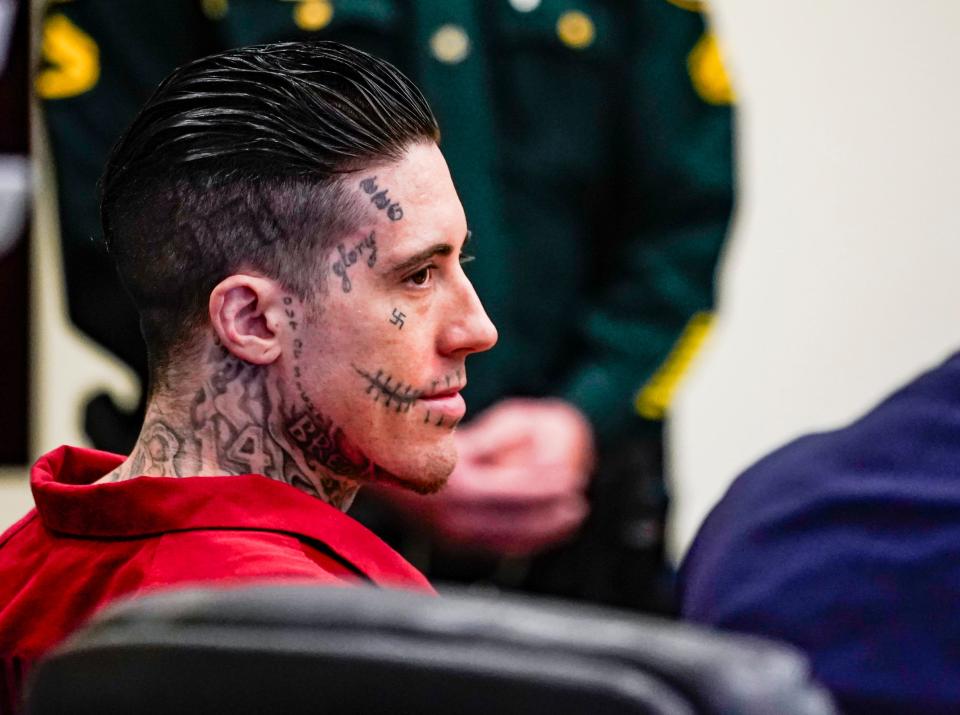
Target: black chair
x=283, y=649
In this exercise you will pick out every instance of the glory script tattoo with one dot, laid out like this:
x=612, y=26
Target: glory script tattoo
x=347, y=258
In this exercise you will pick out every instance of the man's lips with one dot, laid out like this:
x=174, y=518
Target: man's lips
x=446, y=402
x=440, y=394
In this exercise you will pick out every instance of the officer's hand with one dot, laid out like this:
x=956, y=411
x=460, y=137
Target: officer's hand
x=519, y=483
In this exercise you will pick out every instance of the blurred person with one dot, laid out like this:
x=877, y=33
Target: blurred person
x=591, y=144
x=270, y=210
x=847, y=544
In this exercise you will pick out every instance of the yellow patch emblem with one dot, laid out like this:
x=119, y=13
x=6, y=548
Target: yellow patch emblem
x=73, y=56
x=707, y=71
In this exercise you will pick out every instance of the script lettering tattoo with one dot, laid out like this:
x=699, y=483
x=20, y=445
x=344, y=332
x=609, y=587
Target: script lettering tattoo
x=397, y=319
x=348, y=258
x=380, y=199
x=320, y=444
x=289, y=312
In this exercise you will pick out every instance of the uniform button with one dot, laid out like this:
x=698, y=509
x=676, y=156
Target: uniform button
x=450, y=44
x=313, y=15
x=575, y=29
x=215, y=9
x=524, y=5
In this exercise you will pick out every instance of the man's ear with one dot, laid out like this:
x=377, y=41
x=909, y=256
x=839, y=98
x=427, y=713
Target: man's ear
x=246, y=313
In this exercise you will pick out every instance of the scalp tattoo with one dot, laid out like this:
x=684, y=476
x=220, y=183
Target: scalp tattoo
x=379, y=198
x=348, y=258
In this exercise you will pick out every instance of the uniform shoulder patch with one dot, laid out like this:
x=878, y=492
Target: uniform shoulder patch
x=72, y=56
x=708, y=73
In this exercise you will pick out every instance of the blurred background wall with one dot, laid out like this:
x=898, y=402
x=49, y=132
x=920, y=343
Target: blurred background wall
x=837, y=285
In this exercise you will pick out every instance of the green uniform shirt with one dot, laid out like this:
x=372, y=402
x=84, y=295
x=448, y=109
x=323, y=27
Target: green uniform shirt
x=589, y=141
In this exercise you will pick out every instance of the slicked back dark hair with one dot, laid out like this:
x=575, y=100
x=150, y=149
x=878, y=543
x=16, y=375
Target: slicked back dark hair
x=237, y=162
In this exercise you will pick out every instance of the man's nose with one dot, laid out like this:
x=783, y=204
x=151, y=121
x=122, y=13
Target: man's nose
x=470, y=329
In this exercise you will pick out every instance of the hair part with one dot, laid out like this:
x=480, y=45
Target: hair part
x=237, y=161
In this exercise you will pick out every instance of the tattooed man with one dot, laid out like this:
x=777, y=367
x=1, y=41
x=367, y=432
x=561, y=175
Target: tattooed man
x=288, y=229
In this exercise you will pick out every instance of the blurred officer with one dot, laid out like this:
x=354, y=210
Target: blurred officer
x=590, y=142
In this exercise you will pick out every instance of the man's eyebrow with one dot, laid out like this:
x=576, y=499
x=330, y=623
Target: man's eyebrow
x=437, y=249
x=407, y=264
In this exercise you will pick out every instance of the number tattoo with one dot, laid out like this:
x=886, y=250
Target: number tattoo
x=380, y=198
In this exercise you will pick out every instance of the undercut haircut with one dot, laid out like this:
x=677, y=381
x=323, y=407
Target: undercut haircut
x=237, y=162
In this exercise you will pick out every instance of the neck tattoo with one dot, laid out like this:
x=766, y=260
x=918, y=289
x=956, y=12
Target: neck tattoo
x=241, y=421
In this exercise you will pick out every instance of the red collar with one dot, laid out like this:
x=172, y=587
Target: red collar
x=69, y=503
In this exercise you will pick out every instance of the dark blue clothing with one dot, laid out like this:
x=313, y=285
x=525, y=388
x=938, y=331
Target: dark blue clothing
x=847, y=544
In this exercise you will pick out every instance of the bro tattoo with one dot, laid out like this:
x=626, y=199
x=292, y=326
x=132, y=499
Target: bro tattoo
x=348, y=258
x=379, y=198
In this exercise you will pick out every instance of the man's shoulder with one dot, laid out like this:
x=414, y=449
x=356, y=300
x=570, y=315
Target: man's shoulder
x=17, y=527
x=803, y=529
x=904, y=449
x=844, y=543
x=244, y=554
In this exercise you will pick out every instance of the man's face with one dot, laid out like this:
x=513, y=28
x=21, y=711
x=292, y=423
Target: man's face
x=376, y=375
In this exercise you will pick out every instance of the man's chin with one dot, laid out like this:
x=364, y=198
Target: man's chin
x=426, y=477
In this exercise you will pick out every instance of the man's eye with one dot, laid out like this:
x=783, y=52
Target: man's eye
x=421, y=276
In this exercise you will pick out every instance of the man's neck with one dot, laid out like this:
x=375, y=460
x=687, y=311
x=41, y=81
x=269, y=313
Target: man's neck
x=231, y=422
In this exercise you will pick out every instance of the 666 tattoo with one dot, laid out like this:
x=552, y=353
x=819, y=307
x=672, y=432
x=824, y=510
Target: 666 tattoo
x=379, y=198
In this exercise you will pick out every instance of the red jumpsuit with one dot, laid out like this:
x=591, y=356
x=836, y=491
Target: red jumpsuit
x=85, y=545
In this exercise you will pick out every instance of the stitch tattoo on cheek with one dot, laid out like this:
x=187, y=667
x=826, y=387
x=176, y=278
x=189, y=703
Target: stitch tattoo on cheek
x=348, y=258
x=402, y=396
x=398, y=393
x=380, y=199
